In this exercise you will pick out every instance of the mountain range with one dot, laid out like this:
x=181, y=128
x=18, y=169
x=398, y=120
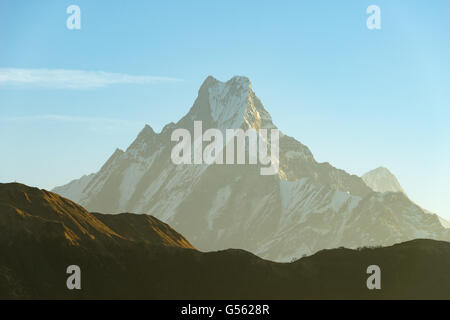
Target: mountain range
x=306, y=207
x=129, y=256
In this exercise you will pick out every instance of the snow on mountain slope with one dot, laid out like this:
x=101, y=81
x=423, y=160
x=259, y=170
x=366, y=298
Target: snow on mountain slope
x=228, y=107
x=445, y=223
x=307, y=207
x=382, y=180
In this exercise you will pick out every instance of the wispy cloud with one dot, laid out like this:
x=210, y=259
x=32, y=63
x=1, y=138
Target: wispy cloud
x=73, y=79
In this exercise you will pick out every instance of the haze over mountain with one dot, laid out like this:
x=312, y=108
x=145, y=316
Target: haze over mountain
x=128, y=256
x=306, y=207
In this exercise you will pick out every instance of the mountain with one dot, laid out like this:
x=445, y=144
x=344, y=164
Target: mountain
x=382, y=180
x=76, y=187
x=128, y=256
x=31, y=213
x=445, y=223
x=306, y=207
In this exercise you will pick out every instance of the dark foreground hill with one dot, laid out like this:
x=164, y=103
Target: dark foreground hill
x=130, y=256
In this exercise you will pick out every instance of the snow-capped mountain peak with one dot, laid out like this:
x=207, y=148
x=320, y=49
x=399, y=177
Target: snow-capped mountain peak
x=228, y=102
x=382, y=180
x=229, y=105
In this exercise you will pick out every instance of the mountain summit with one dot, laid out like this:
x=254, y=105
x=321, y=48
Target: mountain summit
x=306, y=207
x=382, y=180
x=228, y=105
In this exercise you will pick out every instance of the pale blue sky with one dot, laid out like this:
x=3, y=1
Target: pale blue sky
x=358, y=98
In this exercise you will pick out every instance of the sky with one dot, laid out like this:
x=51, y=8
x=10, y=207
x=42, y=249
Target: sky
x=358, y=98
